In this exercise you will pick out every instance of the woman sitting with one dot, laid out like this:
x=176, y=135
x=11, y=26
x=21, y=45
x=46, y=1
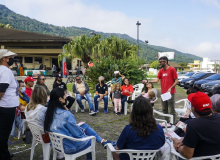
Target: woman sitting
x=142, y=133
x=61, y=121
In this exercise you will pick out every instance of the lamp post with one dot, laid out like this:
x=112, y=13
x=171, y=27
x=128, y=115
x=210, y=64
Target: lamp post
x=146, y=41
x=138, y=24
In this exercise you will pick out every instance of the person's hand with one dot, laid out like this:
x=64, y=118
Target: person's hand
x=185, y=116
x=126, y=91
x=177, y=143
x=101, y=96
x=144, y=81
x=169, y=90
x=142, y=93
x=184, y=130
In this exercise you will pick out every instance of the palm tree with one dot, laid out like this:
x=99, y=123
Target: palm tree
x=82, y=47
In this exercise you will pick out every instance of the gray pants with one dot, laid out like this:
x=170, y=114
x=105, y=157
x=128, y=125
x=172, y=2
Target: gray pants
x=169, y=107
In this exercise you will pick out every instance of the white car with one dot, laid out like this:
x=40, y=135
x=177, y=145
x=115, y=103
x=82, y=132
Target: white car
x=187, y=75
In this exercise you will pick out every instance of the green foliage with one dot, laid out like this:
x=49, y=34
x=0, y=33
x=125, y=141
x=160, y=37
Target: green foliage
x=184, y=65
x=148, y=53
x=155, y=64
x=5, y=25
x=106, y=67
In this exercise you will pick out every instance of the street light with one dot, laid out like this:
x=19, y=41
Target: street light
x=138, y=24
x=93, y=33
x=146, y=41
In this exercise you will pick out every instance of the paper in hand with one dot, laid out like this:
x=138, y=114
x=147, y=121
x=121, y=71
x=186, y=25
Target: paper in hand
x=166, y=96
x=173, y=135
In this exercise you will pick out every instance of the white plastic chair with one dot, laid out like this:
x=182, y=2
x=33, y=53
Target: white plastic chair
x=77, y=105
x=182, y=111
x=166, y=130
x=133, y=154
x=57, y=143
x=37, y=138
x=108, y=83
x=138, y=88
x=23, y=128
x=174, y=153
x=131, y=105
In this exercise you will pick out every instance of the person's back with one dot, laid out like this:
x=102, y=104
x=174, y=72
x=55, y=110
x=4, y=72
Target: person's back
x=203, y=134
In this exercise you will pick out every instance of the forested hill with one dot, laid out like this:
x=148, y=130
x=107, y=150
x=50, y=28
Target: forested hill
x=18, y=21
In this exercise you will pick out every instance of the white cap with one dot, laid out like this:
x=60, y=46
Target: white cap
x=116, y=72
x=6, y=53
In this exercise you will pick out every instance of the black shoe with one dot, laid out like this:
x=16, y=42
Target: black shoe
x=11, y=155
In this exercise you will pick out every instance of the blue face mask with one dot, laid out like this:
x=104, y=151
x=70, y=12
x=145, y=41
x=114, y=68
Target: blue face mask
x=23, y=89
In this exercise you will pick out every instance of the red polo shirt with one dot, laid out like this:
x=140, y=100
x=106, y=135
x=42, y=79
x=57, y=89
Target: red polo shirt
x=167, y=78
x=129, y=88
x=28, y=91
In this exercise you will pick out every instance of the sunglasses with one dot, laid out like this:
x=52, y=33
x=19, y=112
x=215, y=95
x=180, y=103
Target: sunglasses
x=161, y=61
x=43, y=79
x=77, y=79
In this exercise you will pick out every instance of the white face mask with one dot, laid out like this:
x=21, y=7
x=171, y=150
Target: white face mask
x=23, y=89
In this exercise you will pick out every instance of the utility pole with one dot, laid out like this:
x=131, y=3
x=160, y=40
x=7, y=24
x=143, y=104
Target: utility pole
x=138, y=24
x=146, y=41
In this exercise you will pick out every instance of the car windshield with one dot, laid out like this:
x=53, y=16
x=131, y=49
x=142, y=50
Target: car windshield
x=213, y=77
x=198, y=75
x=189, y=74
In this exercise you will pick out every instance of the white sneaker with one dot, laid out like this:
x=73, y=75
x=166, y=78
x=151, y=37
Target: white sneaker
x=92, y=113
x=82, y=111
x=60, y=155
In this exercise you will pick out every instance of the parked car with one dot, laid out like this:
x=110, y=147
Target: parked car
x=207, y=87
x=188, y=82
x=181, y=73
x=187, y=75
x=208, y=79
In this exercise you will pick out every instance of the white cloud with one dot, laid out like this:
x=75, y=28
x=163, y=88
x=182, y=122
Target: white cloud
x=214, y=3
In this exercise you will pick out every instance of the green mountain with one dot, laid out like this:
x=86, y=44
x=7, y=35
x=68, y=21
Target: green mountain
x=18, y=21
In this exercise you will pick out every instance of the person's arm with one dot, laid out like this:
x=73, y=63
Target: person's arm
x=106, y=90
x=185, y=151
x=87, y=87
x=5, y=80
x=174, y=84
x=48, y=92
x=154, y=81
x=74, y=89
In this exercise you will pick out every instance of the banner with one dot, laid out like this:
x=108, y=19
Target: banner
x=169, y=55
x=64, y=69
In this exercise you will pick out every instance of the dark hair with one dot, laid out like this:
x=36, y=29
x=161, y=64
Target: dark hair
x=164, y=58
x=204, y=113
x=193, y=90
x=38, y=79
x=142, y=118
x=77, y=77
x=123, y=83
x=216, y=89
x=19, y=82
x=54, y=103
x=145, y=87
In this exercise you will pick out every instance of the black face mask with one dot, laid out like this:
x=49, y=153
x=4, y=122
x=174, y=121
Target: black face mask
x=102, y=81
x=11, y=61
x=117, y=75
x=59, y=80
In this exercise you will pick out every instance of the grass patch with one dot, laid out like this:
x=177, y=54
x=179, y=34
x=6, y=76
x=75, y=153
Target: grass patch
x=70, y=87
x=151, y=76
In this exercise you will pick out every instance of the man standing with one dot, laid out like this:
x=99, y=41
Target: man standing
x=59, y=83
x=54, y=69
x=81, y=89
x=101, y=91
x=168, y=79
x=29, y=81
x=202, y=134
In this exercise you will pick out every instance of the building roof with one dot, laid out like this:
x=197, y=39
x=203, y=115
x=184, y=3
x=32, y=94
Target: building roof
x=16, y=35
x=175, y=65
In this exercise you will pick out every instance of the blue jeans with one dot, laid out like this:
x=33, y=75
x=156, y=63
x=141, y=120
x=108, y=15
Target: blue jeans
x=89, y=99
x=105, y=98
x=123, y=100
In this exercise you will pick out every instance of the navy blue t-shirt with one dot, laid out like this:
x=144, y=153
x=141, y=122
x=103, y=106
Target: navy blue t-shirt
x=130, y=140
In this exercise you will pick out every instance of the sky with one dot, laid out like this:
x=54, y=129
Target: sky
x=189, y=26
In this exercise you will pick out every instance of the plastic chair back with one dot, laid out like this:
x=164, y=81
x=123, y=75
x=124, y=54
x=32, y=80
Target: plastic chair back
x=36, y=132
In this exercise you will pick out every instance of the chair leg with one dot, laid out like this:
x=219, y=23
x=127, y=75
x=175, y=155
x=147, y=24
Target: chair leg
x=76, y=106
x=69, y=157
x=55, y=155
x=109, y=154
x=46, y=151
x=125, y=108
x=33, y=148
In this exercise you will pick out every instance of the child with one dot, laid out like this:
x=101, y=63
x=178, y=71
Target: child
x=116, y=98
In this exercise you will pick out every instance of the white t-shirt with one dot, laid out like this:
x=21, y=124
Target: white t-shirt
x=10, y=98
x=190, y=107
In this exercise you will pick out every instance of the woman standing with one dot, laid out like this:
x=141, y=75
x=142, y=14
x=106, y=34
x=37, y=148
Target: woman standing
x=21, y=69
x=8, y=101
x=127, y=90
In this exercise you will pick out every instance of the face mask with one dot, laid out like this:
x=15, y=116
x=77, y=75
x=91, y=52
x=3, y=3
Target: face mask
x=102, y=81
x=11, y=61
x=116, y=75
x=23, y=89
x=60, y=80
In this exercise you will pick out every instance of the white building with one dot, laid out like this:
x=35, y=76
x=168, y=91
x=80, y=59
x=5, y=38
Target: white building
x=207, y=64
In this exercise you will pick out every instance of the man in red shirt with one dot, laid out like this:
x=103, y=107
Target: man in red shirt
x=168, y=78
x=29, y=81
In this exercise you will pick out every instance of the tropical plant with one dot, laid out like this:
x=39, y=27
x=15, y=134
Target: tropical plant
x=107, y=65
x=155, y=64
x=81, y=47
x=5, y=25
x=115, y=47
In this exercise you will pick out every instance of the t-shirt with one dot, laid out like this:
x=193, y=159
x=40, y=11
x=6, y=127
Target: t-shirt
x=129, y=88
x=203, y=135
x=61, y=85
x=101, y=89
x=10, y=98
x=28, y=91
x=116, y=94
x=167, y=78
x=130, y=140
x=81, y=87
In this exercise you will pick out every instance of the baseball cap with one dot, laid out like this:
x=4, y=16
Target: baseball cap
x=200, y=101
x=59, y=75
x=29, y=79
x=6, y=53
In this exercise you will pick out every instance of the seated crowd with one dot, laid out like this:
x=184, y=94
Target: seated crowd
x=198, y=138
